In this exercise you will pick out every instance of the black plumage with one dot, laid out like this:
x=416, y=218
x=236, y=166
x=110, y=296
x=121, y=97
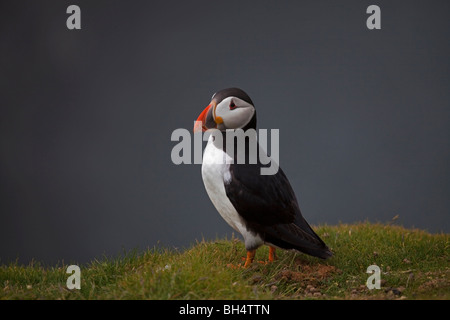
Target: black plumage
x=269, y=207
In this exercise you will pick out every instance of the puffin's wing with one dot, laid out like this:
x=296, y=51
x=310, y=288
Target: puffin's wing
x=269, y=207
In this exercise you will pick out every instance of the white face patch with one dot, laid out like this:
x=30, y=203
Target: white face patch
x=235, y=112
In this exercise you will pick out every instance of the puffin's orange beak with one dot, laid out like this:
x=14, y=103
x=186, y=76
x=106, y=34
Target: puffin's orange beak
x=208, y=119
x=200, y=124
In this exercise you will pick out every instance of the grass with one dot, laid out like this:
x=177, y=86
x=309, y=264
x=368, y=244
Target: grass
x=414, y=265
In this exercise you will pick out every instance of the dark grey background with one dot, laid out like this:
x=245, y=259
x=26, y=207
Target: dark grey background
x=86, y=116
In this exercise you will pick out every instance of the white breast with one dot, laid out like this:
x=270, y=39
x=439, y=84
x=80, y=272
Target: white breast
x=216, y=173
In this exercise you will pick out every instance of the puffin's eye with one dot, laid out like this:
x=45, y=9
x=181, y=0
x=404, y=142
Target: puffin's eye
x=232, y=106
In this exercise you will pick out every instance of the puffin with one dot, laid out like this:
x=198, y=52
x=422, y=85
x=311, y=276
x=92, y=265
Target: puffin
x=262, y=208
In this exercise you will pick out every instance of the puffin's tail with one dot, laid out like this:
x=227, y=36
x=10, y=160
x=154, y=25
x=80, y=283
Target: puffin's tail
x=323, y=252
x=316, y=246
x=298, y=236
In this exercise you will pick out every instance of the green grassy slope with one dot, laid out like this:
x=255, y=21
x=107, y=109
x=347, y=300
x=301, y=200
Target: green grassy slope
x=414, y=265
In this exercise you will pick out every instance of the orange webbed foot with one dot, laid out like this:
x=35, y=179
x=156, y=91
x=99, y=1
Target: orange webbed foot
x=272, y=254
x=248, y=261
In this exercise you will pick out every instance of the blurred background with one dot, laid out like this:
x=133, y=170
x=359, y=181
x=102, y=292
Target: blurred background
x=86, y=116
